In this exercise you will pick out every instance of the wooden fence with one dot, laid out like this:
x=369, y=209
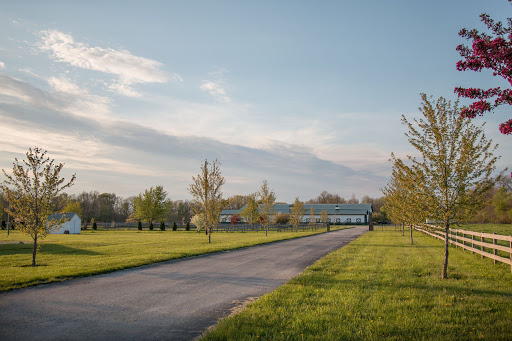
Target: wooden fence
x=485, y=244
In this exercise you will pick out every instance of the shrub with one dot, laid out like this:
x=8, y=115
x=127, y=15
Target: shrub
x=139, y=226
x=235, y=219
x=174, y=226
x=3, y=225
x=151, y=226
x=187, y=227
x=282, y=218
x=162, y=226
x=94, y=226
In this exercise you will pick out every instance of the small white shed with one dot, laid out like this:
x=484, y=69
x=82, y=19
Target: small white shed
x=72, y=223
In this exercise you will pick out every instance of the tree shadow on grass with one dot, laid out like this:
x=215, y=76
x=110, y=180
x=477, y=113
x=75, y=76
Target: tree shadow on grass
x=54, y=249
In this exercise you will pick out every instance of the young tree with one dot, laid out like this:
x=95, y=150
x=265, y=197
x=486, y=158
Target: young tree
x=455, y=164
x=30, y=190
x=491, y=51
x=250, y=213
x=151, y=205
x=267, y=201
x=207, y=194
x=324, y=216
x=297, y=213
x=311, y=215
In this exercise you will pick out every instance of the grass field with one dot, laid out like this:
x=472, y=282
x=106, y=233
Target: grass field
x=92, y=252
x=379, y=287
x=503, y=229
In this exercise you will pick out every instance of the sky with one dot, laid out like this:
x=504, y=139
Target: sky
x=307, y=95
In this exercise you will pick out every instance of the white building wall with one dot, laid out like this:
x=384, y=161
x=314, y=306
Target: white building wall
x=73, y=226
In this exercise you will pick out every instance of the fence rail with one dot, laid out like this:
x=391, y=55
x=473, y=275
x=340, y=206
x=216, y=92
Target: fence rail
x=459, y=238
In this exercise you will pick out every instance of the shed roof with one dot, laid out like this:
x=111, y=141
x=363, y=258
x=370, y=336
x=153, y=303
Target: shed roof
x=58, y=216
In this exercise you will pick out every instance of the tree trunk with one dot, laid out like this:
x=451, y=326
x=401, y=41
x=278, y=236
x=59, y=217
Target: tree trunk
x=445, y=264
x=403, y=229
x=411, y=234
x=34, y=252
x=210, y=237
x=266, y=231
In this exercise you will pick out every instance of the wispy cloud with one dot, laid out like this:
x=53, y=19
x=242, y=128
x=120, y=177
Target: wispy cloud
x=216, y=90
x=128, y=68
x=2, y=65
x=113, y=154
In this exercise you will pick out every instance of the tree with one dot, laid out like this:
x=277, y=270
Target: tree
x=353, y=200
x=30, y=190
x=455, y=164
x=297, y=213
x=206, y=192
x=492, y=51
x=151, y=205
x=502, y=203
x=267, y=201
x=327, y=198
x=311, y=215
x=324, y=216
x=250, y=213
x=199, y=221
x=236, y=202
x=73, y=206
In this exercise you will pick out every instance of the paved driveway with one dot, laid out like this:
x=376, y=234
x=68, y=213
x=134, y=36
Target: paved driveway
x=175, y=300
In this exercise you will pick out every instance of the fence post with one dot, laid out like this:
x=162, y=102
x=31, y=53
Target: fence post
x=510, y=254
x=495, y=241
x=472, y=243
x=482, y=239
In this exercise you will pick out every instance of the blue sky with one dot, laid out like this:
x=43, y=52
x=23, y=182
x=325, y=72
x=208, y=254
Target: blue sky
x=305, y=94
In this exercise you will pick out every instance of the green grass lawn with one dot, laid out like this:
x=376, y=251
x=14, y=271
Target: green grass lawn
x=379, y=287
x=93, y=252
x=503, y=229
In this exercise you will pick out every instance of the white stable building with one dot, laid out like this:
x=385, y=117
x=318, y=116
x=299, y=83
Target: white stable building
x=72, y=224
x=336, y=213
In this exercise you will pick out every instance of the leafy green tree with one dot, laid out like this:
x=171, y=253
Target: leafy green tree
x=162, y=226
x=297, y=212
x=30, y=190
x=73, y=206
x=139, y=226
x=174, y=226
x=266, y=204
x=206, y=192
x=250, y=213
x=151, y=205
x=502, y=203
x=454, y=166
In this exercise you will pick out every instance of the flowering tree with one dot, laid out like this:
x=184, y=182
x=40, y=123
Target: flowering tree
x=489, y=51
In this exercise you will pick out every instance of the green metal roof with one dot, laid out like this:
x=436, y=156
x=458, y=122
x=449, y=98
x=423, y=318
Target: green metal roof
x=332, y=209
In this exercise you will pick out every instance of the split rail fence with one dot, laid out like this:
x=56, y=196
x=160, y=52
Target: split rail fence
x=485, y=244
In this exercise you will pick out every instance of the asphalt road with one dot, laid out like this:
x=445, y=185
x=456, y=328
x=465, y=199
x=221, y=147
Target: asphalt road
x=175, y=300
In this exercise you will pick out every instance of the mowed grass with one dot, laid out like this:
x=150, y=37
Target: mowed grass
x=93, y=252
x=503, y=229
x=379, y=287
